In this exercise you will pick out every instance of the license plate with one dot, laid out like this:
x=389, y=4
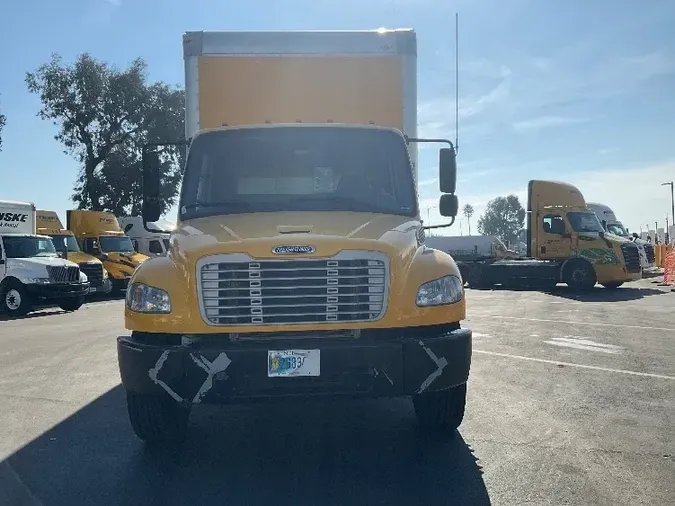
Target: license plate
x=289, y=363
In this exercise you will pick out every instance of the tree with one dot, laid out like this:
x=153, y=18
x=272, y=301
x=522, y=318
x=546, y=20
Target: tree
x=503, y=217
x=104, y=116
x=3, y=119
x=468, y=213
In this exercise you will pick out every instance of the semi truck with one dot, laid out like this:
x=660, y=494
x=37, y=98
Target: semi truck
x=31, y=270
x=99, y=234
x=565, y=244
x=48, y=223
x=150, y=239
x=298, y=266
x=613, y=226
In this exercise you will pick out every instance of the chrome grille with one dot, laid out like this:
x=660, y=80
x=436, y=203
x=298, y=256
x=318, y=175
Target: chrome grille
x=63, y=274
x=631, y=257
x=239, y=290
x=94, y=273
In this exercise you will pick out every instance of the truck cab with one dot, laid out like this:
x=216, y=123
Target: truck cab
x=31, y=270
x=150, y=239
x=48, y=223
x=99, y=234
x=298, y=266
x=562, y=228
x=613, y=226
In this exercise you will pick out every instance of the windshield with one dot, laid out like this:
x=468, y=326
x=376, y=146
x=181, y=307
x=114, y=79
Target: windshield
x=116, y=244
x=584, y=222
x=617, y=229
x=70, y=241
x=26, y=247
x=298, y=169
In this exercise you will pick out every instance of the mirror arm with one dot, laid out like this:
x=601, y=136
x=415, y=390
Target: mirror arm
x=445, y=225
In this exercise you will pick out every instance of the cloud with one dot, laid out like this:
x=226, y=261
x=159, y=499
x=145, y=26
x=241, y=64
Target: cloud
x=536, y=124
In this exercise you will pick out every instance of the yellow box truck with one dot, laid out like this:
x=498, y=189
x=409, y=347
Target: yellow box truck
x=99, y=234
x=565, y=243
x=298, y=265
x=48, y=223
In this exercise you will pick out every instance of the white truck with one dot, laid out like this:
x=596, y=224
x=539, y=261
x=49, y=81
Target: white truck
x=152, y=238
x=613, y=226
x=31, y=270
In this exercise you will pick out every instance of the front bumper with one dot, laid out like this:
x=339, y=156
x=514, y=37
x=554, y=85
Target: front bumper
x=55, y=291
x=217, y=370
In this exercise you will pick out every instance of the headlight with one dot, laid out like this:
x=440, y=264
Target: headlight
x=83, y=277
x=146, y=299
x=446, y=290
x=36, y=281
x=105, y=274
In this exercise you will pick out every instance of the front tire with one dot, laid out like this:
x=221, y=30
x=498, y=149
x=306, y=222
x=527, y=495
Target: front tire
x=157, y=419
x=15, y=300
x=612, y=286
x=580, y=276
x=443, y=410
x=72, y=304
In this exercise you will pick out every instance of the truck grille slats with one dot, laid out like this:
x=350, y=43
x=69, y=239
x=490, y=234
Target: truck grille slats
x=94, y=273
x=649, y=252
x=250, y=292
x=631, y=257
x=63, y=274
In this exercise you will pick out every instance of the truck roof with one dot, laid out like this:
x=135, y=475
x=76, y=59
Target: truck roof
x=17, y=203
x=298, y=125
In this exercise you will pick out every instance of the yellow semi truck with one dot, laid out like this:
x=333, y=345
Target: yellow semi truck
x=48, y=223
x=298, y=265
x=565, y=244
x=99, y=234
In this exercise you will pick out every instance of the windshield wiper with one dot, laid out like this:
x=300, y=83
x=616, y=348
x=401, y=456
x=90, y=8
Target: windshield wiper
x=236, y=204
x=343, y=199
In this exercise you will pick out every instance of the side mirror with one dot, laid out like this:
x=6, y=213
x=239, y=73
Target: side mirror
x=448, y=205
x=151, y=209
x=447, y=171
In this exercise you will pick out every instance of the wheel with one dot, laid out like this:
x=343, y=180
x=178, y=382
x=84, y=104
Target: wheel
x=580, y=276
x=612, y=286
x=72, y=303
x=442, y=410
x=157, y=419
x=14, y=300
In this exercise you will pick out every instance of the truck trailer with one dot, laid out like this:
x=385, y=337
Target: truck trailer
x=31, y=270
x=298, y=266
x=565, y=244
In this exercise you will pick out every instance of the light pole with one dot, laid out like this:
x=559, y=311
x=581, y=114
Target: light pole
x=672, y=199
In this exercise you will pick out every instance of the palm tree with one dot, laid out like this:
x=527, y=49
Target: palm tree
x=468, y=213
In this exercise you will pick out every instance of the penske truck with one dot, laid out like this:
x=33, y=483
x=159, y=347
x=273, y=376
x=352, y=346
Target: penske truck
x=48, y=223
x=99, y=234
x=612, y=225
x=565, y=244
x=298, y=266
x=31, y=270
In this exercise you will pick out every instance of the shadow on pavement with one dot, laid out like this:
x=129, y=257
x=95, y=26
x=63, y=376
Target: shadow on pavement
x=601, y=294
x=360, y=452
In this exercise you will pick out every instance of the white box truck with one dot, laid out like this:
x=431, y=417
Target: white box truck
x=31, y=270
x=152, y=238
x=612, y=225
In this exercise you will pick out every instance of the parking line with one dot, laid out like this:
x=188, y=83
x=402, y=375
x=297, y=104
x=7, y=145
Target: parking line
x=567, y=322
x=580, y=366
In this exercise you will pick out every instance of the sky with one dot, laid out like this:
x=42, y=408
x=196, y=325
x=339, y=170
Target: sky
x=577, y=91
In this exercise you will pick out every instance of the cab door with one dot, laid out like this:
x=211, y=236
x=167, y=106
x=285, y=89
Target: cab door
x=555, y=241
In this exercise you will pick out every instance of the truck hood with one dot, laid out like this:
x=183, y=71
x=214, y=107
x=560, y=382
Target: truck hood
x=610, y=237
x=325, y=231
x=131, y=260
x=33, y=262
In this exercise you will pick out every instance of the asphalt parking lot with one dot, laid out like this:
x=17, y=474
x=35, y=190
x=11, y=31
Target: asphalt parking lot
x=571, y=401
